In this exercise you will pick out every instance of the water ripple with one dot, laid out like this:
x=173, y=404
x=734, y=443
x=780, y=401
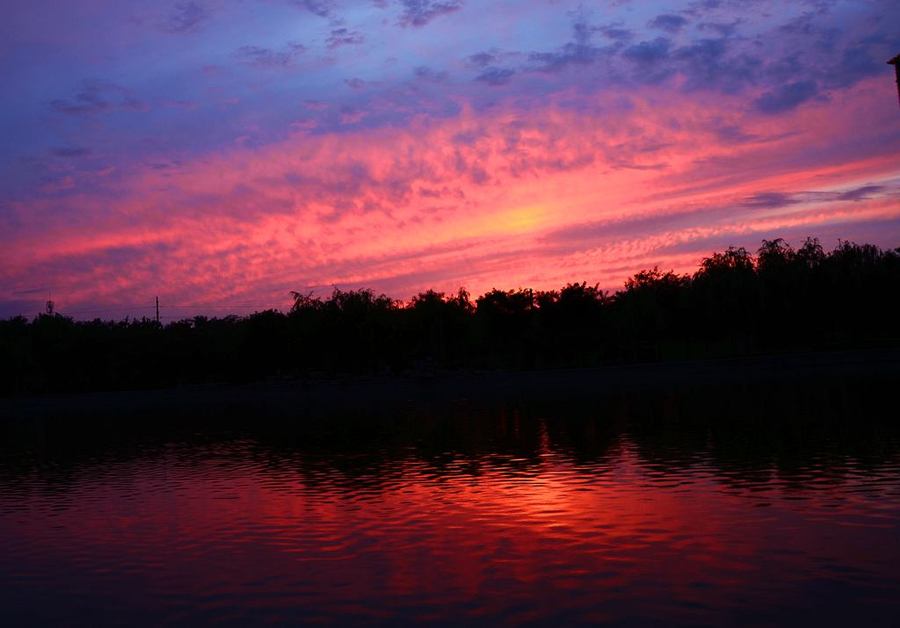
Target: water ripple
x=516, y=527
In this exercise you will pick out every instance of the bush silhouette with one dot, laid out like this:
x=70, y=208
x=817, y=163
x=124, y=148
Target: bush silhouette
x=736, y=303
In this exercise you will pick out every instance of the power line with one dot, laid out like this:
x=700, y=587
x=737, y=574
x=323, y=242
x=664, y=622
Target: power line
x=158, y=308
x=163, y=305
x=157, y=312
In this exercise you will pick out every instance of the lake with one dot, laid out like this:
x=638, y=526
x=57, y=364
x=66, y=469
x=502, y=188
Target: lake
x=751, y=505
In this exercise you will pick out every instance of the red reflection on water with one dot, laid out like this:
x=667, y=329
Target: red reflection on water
x=219, y=535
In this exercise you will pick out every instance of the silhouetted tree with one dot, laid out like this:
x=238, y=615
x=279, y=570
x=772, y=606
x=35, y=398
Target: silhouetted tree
x=782, y=299
x=651, y=310
x=438, y=330
x=505, y=326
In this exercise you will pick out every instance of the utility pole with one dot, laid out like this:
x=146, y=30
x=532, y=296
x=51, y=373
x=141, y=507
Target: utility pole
x=896, y=63
x=157, y=310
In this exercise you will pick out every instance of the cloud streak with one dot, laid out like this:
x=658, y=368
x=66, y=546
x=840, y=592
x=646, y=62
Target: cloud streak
x=186, y=17
x=418, y=13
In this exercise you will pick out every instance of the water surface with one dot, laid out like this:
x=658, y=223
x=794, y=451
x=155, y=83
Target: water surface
x=727, y=507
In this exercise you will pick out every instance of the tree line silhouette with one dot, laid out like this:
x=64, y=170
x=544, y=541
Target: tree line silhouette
x=736, y=303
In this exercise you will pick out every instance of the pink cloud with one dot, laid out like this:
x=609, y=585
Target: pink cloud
x=479, y=200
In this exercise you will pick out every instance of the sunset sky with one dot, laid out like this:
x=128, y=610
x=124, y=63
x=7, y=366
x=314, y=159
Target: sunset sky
x=220, y=153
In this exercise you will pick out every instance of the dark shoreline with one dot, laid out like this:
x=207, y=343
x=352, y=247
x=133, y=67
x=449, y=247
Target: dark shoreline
x=303, y=397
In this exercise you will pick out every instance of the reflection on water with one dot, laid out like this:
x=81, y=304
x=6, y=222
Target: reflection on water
x=746, y=506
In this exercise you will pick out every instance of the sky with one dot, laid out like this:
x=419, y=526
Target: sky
x=219, y=154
